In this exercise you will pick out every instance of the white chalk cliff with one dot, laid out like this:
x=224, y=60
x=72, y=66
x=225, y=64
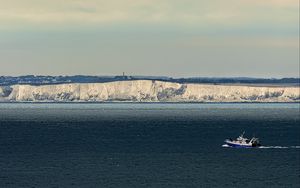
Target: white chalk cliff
x=148, y=91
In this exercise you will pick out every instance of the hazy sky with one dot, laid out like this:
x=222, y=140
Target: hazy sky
x=257, y=38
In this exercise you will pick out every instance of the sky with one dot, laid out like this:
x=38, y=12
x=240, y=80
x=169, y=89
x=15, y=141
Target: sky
x=178, y=38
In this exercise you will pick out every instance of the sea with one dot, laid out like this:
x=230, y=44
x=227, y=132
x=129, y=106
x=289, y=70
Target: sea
x=148, y=145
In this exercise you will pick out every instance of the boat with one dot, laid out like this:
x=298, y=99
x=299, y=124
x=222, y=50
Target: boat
x=242, y=142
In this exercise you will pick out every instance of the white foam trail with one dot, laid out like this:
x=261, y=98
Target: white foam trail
x=273, y=147
x=278, y=147
x=269, y=147
x=295, y=147
x=226, y=146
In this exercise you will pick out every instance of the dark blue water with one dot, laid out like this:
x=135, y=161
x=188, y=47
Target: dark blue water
x=147, y=145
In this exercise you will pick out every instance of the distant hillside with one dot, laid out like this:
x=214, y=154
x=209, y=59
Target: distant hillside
x=48, y=80
x=146, y=91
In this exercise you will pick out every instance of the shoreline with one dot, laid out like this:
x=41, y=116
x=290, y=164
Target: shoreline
x=130, y=102
x=145, y=91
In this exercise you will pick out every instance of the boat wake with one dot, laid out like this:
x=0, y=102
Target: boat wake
x=279, y=147
x=268, y=147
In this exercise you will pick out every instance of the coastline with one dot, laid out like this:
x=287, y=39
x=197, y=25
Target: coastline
x=145, y=91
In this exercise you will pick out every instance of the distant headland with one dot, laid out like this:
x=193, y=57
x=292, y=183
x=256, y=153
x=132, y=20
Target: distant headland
x=146, y=89
x=47, y=80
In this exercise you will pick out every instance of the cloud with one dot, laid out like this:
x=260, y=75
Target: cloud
x=200, y=13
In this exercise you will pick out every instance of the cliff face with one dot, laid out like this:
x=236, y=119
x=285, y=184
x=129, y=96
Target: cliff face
x=148, y=91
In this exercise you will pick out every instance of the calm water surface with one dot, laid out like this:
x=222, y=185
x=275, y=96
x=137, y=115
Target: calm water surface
x=147, y=145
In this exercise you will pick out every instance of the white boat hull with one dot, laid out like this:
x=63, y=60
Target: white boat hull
x=239, y=145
